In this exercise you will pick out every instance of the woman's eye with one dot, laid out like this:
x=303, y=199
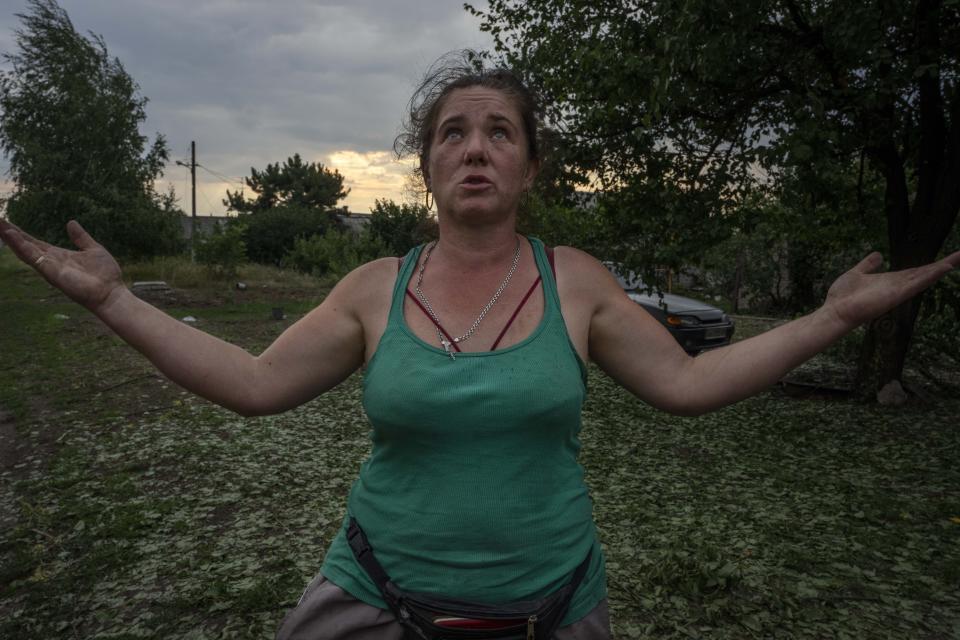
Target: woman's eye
x=499, y=134
x=452, y=134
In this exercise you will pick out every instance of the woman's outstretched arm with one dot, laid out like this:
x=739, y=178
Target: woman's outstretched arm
x=313, y=355
x=634, y=349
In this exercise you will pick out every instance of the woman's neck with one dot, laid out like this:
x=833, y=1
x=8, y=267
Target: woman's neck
x=475, y=248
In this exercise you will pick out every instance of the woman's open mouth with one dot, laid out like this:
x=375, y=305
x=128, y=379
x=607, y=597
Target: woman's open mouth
x=476, y=182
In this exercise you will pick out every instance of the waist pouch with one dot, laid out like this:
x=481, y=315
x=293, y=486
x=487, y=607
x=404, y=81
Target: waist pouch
x=430, y=617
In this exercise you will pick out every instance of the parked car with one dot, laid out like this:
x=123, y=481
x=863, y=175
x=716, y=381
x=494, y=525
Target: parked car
x=694, y=324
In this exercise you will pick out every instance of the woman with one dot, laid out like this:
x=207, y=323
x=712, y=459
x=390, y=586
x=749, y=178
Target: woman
x=474, y=349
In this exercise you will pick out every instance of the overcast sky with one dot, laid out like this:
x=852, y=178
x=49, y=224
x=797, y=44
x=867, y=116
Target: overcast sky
x=254, y=82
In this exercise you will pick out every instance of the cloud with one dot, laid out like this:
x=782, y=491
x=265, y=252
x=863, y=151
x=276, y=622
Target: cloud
x=368, y=175
x=255, y=82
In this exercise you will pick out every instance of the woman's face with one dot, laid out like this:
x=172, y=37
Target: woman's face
x=478, y=166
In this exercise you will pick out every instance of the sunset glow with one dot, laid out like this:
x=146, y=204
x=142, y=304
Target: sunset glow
x=370, y=176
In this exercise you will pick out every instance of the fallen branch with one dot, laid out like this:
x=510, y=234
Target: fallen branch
x=935, y=380
x=128, y=381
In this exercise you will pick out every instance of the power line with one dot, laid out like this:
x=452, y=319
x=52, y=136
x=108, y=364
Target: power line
x=209, y=204
x=223, y=177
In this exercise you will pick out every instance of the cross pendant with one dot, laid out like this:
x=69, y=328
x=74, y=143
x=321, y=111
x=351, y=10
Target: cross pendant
x=446, y=347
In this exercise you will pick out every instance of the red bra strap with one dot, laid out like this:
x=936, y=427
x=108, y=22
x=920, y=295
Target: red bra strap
x=530, y=291
x=427, y=313
x=516, y=311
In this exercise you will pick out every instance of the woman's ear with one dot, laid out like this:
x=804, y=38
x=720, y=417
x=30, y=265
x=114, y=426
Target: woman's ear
x=533, y=168
x=425, y=174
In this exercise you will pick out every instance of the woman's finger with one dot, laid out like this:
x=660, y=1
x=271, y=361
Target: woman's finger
x=870, y=264
x=47, y=265
x=910, y=282
x=929, y=274
x=29, y=252
x=19, y=244
x=23, y=237
x=953, y=259
x=80, y=237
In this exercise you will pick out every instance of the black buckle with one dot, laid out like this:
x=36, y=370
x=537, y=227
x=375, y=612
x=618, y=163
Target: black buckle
x=393, y=592
x=357, y=540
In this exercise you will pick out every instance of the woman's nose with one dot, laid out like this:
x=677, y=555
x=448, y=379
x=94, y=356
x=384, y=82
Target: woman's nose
x=475, y=151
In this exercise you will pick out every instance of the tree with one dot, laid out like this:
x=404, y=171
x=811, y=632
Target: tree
x=307, y=186
x=674, y=107
x=271, y=234
x=70, y=128
x=789, y=243
x=223, y=250
x=293, y=200
x=400, y=227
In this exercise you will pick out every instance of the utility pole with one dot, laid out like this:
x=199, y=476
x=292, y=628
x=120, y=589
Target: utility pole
x=193, y=198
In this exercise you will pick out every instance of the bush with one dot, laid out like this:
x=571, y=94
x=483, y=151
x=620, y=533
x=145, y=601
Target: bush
x=936, y=329
x=224, y=250
x=270, y=235
x=133, y=228
x=564, y=224
x=781, y=259
x=399, y=228
x=335, y=253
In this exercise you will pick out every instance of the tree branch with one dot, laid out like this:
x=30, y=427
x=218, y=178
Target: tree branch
x=932, y=124
x=947, y=202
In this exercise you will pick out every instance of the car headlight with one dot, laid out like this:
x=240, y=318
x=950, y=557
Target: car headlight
x=682, y=321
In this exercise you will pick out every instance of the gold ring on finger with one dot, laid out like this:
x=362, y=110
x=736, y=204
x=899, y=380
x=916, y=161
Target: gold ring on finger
x=39, y=260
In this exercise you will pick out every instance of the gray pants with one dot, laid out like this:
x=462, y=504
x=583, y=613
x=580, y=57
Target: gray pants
x=327, y=612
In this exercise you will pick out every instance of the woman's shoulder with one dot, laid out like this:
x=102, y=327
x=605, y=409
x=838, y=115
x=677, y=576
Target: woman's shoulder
x=578, y=265
x=583, y=277
x=369, y=285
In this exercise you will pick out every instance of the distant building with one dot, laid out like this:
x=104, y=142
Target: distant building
x=205, y=224
x=354, y=222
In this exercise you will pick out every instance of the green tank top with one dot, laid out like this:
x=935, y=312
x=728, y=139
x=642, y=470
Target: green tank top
x=472, y=489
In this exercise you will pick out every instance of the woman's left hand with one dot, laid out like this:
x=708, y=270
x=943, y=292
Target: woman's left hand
x=860, y=295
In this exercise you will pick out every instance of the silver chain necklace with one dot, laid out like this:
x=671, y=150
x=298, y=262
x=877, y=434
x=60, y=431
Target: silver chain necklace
x=447, y=344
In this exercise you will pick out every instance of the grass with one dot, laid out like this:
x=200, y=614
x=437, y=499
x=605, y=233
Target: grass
x=179, y=271
x=129, y=509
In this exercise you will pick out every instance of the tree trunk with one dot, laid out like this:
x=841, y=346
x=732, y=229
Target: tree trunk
x=916, y=233
x=884, y=348
x=738, y=279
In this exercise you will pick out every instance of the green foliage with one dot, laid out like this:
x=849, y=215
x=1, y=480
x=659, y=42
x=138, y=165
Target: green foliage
x=335, y=253
x=937, y=337
x=787, y=246
x=831, y=216
x=750, y=270
x=679, y=109
x=293, y=184
x=293, y=200
x=560, y=223
x=400, y=227
x=224, y=250
x=271, y=233
x=69, y=124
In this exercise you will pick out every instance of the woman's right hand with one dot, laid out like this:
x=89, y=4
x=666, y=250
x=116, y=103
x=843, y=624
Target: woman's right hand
x=88, y=276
